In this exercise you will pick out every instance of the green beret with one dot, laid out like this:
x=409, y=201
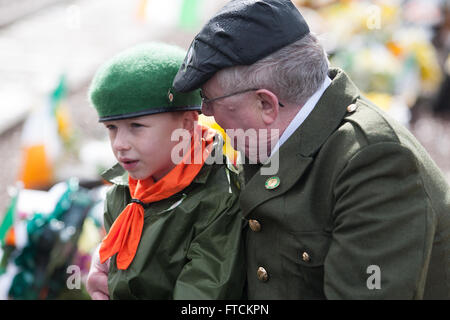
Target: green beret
x=138, y=82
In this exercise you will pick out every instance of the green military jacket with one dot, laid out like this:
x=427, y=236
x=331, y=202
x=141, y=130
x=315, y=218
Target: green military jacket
x=191, y=245
x=360, y=212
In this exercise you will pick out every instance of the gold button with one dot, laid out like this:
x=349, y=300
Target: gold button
x=306, y=257
x=254, y=225
x=262, y=274
x=351, y=108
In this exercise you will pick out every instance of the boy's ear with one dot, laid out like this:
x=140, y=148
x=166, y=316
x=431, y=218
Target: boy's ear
x=269, y=106
x=189, y=119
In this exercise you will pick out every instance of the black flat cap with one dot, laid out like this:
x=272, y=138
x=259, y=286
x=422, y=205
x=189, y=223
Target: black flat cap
x=241, y=33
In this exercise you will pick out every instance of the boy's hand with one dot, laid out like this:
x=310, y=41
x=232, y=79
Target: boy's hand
x=97, y=279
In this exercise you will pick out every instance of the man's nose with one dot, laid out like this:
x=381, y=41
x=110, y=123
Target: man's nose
x=206, y=110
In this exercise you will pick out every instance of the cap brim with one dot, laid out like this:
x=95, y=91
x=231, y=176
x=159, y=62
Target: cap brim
x=201, y=63
x=188, y=79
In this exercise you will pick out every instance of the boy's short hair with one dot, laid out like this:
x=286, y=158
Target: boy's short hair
x=138, y=82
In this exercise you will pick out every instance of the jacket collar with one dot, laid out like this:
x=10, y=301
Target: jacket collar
x=327, y=115
x=297, y=153
x=119, y=176
x=116, y=175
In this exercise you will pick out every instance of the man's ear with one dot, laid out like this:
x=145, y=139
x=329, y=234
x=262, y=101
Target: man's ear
x=269, y=106
x=189, y=119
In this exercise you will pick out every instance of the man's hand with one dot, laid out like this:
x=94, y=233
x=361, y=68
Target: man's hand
x=97, y=279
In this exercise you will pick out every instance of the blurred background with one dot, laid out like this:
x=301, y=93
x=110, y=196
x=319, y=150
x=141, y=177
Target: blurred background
x=52, y=148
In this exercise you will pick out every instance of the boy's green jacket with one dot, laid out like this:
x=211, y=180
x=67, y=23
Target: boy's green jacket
x=190, y=246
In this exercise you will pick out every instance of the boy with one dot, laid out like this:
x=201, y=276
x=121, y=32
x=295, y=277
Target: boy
x=174, y=229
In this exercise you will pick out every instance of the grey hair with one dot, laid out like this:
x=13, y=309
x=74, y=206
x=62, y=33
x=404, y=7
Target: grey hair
x=293, y=73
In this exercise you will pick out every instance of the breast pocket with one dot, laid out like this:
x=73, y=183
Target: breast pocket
x=303, y=257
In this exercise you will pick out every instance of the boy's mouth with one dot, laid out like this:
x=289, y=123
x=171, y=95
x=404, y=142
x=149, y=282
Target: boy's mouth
x=128, y=164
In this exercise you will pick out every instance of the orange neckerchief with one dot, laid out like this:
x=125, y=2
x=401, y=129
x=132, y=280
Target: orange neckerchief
x=125, y=233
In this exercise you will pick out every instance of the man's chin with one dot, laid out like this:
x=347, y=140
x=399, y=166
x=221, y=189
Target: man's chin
x=253, y=157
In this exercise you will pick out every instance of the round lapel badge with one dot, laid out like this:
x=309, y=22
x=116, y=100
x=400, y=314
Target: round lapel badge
x=272, y=183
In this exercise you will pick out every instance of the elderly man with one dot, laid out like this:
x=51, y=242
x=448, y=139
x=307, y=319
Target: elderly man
x=357, y=209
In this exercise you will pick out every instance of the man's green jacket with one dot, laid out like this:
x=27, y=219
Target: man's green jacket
x=357, y=209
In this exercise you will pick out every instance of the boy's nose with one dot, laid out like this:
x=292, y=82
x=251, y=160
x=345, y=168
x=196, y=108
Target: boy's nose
x=121, y=143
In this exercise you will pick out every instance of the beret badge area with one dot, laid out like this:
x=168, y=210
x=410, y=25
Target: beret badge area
x=170, y=95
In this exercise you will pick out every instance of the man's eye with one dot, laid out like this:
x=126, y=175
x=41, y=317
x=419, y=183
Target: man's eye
x=110, y=127
x=136, y=125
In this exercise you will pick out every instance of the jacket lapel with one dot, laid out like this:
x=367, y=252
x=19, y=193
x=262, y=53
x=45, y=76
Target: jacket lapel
x=298, y=152
x=290, y=170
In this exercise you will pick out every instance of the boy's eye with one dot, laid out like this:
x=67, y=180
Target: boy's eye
x=136, y=125
x=110, y=127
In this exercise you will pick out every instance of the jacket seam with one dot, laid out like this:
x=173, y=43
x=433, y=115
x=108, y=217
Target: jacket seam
x=382, y=117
